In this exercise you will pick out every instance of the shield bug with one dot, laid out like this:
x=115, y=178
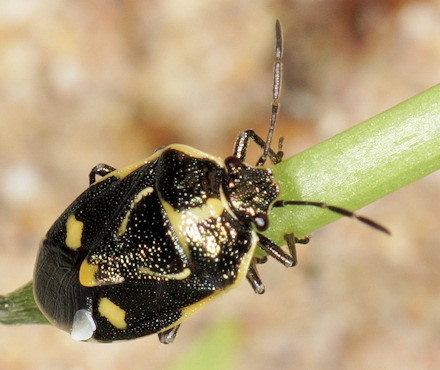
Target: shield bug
x=145, y=246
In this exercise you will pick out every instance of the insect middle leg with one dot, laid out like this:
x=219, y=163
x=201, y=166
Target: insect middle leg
x=254, y=278
x=287, y=259
x=291, y=241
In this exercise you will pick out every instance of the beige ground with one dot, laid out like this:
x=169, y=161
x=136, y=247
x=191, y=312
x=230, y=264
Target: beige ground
x=83, y=82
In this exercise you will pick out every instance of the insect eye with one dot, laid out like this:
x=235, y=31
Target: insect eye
x=232, y=163
x=261, y=221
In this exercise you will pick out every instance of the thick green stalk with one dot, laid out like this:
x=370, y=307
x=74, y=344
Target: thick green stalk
x=360, y=165
x=19, y=307
x=350, y=170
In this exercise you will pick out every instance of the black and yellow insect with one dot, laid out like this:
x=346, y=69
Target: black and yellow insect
x=146, y=246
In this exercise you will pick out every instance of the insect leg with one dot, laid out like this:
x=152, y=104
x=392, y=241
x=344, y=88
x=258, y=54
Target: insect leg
x=291, y=244
x=167, y=336
x=275, y=251
x=100, y=169
x=242, y=142
x=254, y=278
x=260, y=259
x=291, y=241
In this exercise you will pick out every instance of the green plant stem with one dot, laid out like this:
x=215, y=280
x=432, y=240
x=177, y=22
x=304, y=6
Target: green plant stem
x=19, y=307
x=360, y=165
x=350, y=170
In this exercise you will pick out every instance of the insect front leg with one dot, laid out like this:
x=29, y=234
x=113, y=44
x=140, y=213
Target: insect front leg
x=242, y=143
x=276, y=251
x=287, y=259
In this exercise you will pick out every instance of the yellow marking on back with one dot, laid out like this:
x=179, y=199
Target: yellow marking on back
x=123, y=227
x=179, y=276
x=87, y=273
x=143, y=193
x=125, y=171
x=185, y=222
x=225, y=203
x=195, y=153
x=74, y=230
x=139, y=196
x=212, y=208
x=113, y=313
x=242, y=271
x=176, y=223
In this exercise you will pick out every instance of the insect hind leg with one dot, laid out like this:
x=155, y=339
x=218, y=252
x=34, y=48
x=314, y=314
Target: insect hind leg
x=168, y=336
x=100, y=169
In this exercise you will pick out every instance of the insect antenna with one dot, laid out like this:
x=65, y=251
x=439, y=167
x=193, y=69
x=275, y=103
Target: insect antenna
x=277, y=76
x=341, y=211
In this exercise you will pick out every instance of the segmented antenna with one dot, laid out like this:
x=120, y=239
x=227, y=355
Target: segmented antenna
x=338, y=210
x=277, y=76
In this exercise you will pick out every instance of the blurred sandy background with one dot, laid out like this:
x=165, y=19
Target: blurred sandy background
x=83, y=82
